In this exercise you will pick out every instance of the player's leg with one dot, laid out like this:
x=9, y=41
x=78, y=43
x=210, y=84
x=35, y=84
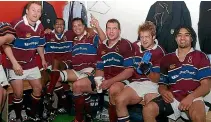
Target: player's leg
x=17, y=86
x=114, y=90
x=56, y=76
x=79, y=87
x=197, y=111
x=2, y=98
x=156, y=107
x=34, y=78
x=127, y=96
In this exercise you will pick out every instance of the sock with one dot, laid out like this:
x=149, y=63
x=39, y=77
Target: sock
x=112, y=113
x=62, y=99
x=87, y=104
x=34, y=105
x=18, y=105
x=0, y=117
x=54, y=76
x=123, y=119
x=101, y=101
x=79, y=101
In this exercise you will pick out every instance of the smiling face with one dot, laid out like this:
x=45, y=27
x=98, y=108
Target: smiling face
x=78, y=27
x=33, y=13
x=147, y=40
x=59, y=26
x=184, y=38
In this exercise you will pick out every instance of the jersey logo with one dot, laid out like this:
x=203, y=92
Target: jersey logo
x=64, y=38
x=28, y=35
x=117, y=48
x=52, y=40
x=103, y=52
x=172, y=66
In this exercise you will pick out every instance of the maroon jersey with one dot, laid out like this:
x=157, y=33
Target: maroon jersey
x=27, y=40
x=84, y=51
x=157, y=54
x=184, y=77
x=59, y=46
x=113, y=60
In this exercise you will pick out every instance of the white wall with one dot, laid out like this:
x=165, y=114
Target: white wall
x=131, y=13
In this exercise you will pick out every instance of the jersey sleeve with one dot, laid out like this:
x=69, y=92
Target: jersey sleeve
x=6, y=28
x=204, y=69
x=156, y=61
x=100, y=63
x=42, y=38
x=163, y=72
x=128, y=54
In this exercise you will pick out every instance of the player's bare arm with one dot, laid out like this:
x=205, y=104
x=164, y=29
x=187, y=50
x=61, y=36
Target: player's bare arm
x=124, y=75
x=165, y=93
x=95, y=25
x=154, y=77
x=40, y=50
x=202, y=90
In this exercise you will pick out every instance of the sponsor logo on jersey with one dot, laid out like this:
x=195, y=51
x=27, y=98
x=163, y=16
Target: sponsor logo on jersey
x=28, y=35
x=52, y=40
x=103, y=52
x=175, y=76
x=172, y=66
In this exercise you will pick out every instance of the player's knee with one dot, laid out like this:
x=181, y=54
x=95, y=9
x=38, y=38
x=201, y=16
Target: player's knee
x=114, y=89
x=197, y=116
x=77, y=86
x=18, y=95
x=37, y=89
x=121, y=100
x=150, y=109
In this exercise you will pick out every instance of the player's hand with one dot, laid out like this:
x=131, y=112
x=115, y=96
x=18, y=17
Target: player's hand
x=145, y=68
x=94, y=22
x=18, y=69
x=47, y=31
x=44, y=64
x=106, y=84
x=167, y=96
x=186, y=103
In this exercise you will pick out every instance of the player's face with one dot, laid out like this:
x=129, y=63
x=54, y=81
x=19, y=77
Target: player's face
x=112, y=31
x=78, y=27
x=59, y=26
x=147, y=40
x=183, y=38
x=33, y=13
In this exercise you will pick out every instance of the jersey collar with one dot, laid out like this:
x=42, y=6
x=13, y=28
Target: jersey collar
x=27, y=23
x=105, y=42
x=57, y=35
x=153, y=48
x=84, y=34
x=191, y=50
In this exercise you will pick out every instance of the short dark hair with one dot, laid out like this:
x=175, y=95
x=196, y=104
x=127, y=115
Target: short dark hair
x=59, y=19
x=78, y=19
x=33, y=2
x=114, y=21
x=190, y=30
